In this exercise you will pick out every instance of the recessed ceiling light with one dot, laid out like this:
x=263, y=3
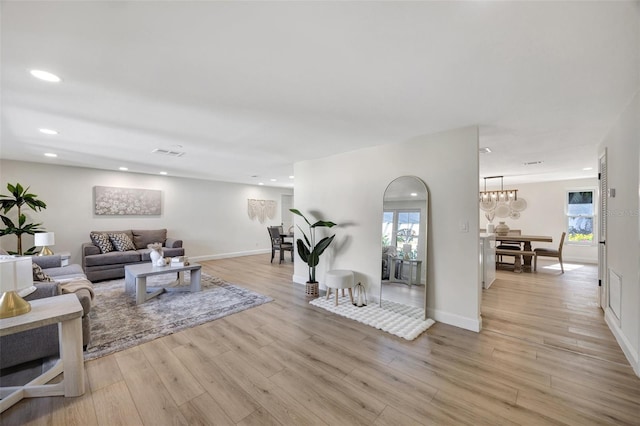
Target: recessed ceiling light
x=273, y=180
x=50, y=154
x=124, y=169
x=48, y=131
x=414, y=194
x=587, y=168
x=260, y=183
x=46, y=76
x=485, y=150
x=291, y=177
x=163, y=173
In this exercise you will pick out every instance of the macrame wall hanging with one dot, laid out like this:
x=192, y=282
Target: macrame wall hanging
x=261, y=209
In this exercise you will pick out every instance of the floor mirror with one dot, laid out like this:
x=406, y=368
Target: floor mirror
x=404, y=242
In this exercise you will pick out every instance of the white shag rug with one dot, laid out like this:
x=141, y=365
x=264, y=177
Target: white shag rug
x=400, y=320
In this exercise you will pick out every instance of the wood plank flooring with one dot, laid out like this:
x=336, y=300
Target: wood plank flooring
x=545, y=356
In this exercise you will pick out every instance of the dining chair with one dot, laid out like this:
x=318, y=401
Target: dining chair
x=550, y=253
x=278, y=244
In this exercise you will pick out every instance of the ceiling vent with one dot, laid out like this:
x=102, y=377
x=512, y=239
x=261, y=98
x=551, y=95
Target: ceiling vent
x=168, y=152
x=533, y=163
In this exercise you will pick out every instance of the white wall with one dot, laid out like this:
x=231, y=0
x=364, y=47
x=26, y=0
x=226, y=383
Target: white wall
x=623, y=227
x=348, y=189
x=545, y=215
x=210, y=217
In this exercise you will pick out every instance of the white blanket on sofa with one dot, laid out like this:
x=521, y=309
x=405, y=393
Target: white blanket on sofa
x=77, y=284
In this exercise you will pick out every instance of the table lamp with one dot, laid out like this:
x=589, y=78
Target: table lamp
x=15, y=274
x=44, y=239
x=406, y=249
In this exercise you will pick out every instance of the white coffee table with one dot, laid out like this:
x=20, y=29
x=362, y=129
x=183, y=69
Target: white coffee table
x=135, y=279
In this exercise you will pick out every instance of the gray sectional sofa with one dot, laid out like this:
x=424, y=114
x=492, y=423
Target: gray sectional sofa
x=42, y=342
x=99, y=264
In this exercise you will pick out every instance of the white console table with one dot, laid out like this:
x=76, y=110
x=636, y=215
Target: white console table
x=65, y=310
x=397, y=263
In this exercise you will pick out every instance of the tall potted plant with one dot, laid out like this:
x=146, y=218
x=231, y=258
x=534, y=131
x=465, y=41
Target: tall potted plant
x=310, y=250
x=19, y=197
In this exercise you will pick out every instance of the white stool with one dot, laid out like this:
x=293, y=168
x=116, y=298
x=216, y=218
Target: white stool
x=339, y=278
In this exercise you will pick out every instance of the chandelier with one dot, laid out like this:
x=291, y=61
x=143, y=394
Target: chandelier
x=501, y=202
x=499, y=194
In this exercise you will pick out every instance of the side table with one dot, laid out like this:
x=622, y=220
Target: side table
x=65, y=256
x=65, y=310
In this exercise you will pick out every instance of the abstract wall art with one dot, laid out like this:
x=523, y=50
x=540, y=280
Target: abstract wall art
x=114, y=201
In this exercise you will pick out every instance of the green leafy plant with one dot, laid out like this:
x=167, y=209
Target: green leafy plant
x=581, y=237
x=19, y=197
x=308, y=250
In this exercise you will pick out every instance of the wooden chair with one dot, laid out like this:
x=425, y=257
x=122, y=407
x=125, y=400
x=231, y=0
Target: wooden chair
x=278, y=244
x=550, y=253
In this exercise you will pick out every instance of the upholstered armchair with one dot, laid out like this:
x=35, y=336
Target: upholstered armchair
x=387, y=253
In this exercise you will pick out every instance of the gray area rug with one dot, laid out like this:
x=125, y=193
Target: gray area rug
x=117, y=323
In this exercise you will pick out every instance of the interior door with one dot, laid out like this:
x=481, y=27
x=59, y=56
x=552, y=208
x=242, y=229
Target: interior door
x=602, y=232
x=286, y=202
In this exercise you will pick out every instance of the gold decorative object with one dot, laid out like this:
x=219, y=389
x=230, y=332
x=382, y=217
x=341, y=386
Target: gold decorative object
x=15, y=275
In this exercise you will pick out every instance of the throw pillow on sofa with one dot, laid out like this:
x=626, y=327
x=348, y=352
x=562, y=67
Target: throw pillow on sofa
x=121, y=242
x=38, y=273
x=102, y=241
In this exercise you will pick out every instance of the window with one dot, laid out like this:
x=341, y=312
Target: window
x=387, y=228
x=580, y=215
x=404, y=225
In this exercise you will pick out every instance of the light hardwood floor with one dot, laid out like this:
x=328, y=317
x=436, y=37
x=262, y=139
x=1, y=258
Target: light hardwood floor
x=545, y=356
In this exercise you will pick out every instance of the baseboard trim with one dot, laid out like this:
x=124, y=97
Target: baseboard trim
x=455, y=320
x=625, y=345
x=587, y=260
x=228, y=255
x=302, y=280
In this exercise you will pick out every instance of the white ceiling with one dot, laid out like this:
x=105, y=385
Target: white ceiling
x=249, y=88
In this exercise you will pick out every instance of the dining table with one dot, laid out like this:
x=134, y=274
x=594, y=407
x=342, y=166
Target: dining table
x=525, y=241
